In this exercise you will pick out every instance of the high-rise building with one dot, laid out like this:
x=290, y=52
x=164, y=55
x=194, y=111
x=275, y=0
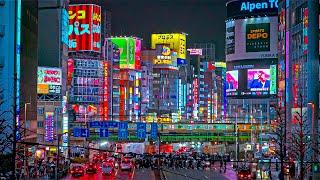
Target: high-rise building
x=251, y=57
x=52, y=71
x=298, y=66
x=147, y=57
x=18, y=74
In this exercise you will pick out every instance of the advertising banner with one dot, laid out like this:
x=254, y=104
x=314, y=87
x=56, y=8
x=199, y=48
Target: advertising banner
x=230, y=40
x=273, y=79
x=253, y=38
x=231, y=80
x=84, y=27
x=121, y=46
x=131, y=53
x=49, y=80
x=175, y=41
x=49, y=125
x=258, y=79
x=258, y=37
x=252, y=78
x=64, y=27
x=137, y=58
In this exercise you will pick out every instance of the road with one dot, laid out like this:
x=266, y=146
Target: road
x=119, y=175
x=170, y=174
x=189, y=174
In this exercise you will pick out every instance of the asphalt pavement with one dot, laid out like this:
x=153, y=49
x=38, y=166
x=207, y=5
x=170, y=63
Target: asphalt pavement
x=118, y=175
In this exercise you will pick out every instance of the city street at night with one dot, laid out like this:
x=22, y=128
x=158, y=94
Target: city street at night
x=159, y=89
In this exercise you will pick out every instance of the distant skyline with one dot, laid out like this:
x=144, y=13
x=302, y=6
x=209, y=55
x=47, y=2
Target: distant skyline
x=203, y=20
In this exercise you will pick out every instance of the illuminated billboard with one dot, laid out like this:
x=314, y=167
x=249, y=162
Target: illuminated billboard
x=84, y=27
x=49, y=80
x=251, y=78
x=175, y=41
x=232, y=80
x=258, y=37
x=49, y=126
x=137, y=54
x=258, y=79
x=251, y=38
x=127, y=49
x=248, y=8
x=165, y=57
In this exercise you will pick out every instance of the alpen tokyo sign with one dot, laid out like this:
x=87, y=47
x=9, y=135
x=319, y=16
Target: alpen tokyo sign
x=251, y=6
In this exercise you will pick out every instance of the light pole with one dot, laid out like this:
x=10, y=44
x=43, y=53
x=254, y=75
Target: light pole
x=312, y=131
x=24, y=134
x=58, y=152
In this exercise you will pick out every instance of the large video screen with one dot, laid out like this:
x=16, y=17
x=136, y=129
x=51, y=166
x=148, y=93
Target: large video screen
x=251, y=78
x=232, y=81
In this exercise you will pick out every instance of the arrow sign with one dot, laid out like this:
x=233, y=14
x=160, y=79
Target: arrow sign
x=104, y=132
x=141, y=130
x=154, y=131
x=84, y=132
x=123, y=130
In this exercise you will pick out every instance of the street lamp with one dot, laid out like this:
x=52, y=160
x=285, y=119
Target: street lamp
x=312, y=129
x=24, y=134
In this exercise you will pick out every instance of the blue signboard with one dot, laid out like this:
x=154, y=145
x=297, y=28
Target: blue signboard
x=94, y=124
x=76, y=132
x=181, y=61
x=154, y=131
x=112, y=124
x=104, y=132
x=141, y=130
x=80, y=132
x=104, y=124
x=123, y=130
x=84, y=132
x=64, y=27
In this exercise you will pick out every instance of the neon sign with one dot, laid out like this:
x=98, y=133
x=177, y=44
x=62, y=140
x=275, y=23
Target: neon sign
x=250, y=6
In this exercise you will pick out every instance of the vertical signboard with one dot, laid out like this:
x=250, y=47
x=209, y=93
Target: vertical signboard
x=64, y=27
x=131, y=53
x=305, y=31
x=230, y=40
x=273, y=79
x=141, y=130
x=137, y=65
x=49, y=80
x=49, y=125
x=123, y=130
x=84, y=27
x=106, y=91
x=121, y=45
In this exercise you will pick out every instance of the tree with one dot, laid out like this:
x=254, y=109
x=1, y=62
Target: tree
x=279, y=130
x=301, y=141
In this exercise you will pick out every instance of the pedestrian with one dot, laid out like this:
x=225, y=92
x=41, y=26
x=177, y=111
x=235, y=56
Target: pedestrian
x=221, y=164
x=225, y=166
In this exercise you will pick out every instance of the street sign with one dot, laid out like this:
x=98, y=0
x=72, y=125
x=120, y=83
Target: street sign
x=84, y=132
x=154, y=131
x=76, y=132
x=123, y=130
x=104, y=124
x=141, y=130
x=104, y=132
x=112, y=124
x=94, y=124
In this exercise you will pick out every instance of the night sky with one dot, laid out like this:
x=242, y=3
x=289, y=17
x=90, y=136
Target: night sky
x=203, y=20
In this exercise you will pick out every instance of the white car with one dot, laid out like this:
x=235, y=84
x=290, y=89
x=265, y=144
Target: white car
x=126, y=165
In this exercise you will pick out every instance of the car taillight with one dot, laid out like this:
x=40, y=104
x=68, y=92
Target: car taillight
x=241, y=175
x=72, y=172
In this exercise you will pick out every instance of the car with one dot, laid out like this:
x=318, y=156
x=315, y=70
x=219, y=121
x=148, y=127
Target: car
x=77, y=171
x=244, y=174
x=97, y=158
x=107, y=167
x=91, y=168
x=126, y=164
